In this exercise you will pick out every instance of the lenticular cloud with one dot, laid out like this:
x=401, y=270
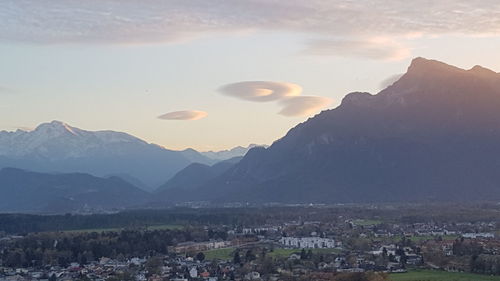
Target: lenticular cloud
x=303, y=106
x=184, y=115
x=288, y=95
x=261, y=91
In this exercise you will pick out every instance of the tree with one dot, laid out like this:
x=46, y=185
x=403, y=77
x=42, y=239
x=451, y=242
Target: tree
x=200, y=256
x=267, y=265
x=249, y=256
x=237, y=258
x=303, y=254
x=263, y=253
x=309, y=254
x=153, y=265
x=392, y=258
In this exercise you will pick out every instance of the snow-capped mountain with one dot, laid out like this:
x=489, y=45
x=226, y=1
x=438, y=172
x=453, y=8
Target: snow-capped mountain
x=58, y=140
x=59, y=147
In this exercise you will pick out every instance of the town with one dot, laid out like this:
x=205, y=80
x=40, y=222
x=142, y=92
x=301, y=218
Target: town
x=322, y=243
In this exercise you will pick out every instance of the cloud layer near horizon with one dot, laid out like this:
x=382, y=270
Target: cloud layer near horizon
x=184, y=115
x=286, y=94
x=5, y=90
x=338, y=25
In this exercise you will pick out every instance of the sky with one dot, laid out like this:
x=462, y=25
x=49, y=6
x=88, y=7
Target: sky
x=214, y=74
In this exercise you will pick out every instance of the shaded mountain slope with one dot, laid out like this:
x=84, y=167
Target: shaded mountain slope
x=181, y=186
x=432, y=135
x=24, y=191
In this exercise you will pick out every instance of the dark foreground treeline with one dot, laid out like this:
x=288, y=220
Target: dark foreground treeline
x=63, y=248
x=135, y=219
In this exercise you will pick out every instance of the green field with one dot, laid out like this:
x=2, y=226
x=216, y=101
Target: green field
x=165, y=227
x=219, y=254
x=431, y=275
x=430, y=237
x=283, y=253
x=90, y=230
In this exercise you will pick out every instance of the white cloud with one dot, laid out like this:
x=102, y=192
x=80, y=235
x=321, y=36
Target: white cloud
x=156, y=21
x=389, y=81
x=373, y=48
x=184, y=115
x=288, y=95
x=261, y=91
x=303, y=105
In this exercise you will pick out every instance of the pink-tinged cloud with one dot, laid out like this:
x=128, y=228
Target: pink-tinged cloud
x=287, y=95
x=159, y=21
x=303, y=105
x=373, y=48
x=184, y=115
x=353, y=23
x=261, y=91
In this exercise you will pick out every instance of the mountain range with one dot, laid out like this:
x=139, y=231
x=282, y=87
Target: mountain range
x=191, y=179
x=433, y=135
x=24, y=191
x=57, y=147
x=230, y=153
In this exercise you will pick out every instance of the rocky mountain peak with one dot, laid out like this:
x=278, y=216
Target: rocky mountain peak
x=56, y=128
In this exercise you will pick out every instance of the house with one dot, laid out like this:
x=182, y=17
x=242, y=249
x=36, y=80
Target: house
x=307, y=242
x=478, y=235
x=254, y=275
x=193, y=272
x=199, y=247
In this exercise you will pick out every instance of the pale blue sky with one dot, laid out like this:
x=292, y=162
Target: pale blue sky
x=119, y=84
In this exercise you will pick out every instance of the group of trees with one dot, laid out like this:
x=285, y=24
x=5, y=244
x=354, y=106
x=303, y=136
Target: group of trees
x=247, y=256
x=462, y=247
x=133, y=219
x=466, y=255
x=24, y=223
x=486, y=264
x=63, y=248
